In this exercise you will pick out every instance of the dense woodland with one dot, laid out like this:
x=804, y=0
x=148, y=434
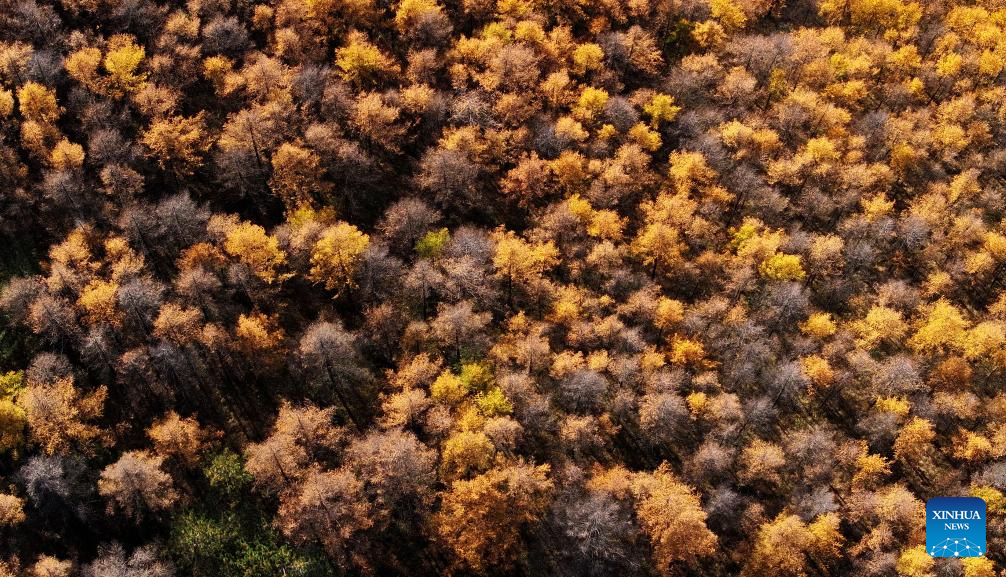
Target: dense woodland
x=499, y=287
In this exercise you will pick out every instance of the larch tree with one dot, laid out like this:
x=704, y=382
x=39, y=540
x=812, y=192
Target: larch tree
x=137, y=485
x=336, y=256
x=480, y=520
x=328, y=507
x=59, y=416
x=670, y=513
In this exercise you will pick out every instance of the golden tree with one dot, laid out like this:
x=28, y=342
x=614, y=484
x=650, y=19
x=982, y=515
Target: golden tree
x=178, y=143
x=57, y=415
x=480, y=520
x=336, y=256
x=670, y=513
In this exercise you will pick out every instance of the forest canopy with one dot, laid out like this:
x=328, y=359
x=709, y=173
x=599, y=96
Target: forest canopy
x=499, y=287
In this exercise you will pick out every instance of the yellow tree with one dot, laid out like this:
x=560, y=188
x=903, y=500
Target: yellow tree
x=944, y=325
x=915, y=562
x=40, y=109
x=671, y=514
x=67, y=155
x=58, y=415
x=362, y=63
x=465, y=453
x=660, y=242
x=121, y=62
x=260, y=337
x=480, y=520
x=12, y=424
x=914, y=439
x=881, y=324
x=82, y=65
x=661, y=108
x=38, y=103
x=978, y=567
x=12, y=417
x=782, y=266
x=47, y=566
x=520, y=262
x=779, y=548
x=11, y=510
x=826, y=539
x=98, y=301
x=337, y=255
x=250, y=244
x=178, y=143
x=296, y=176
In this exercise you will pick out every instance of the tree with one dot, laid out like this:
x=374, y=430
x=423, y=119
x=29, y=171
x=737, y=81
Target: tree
x=480, y=520
x=779, y=548
x=915, y=562
x=178, y=143
x=47, y=566
x=881, y=324
x=465, y=454
x=872, y=16
x=406, y=221
x=328, y=507
x=363, y=63
x=98, y=299
x=423, y=21
x=248, y=138
x=179, y=324
x=250, y=244
x=113, y=562
x=121, y=62
x=659, y=243
x=598, y=534
x=11, y=510
x=38, y=103
x=347, y=268
x=398, y=468
x=67, y=156
x=459, y=328
x=178, y=438
x=329, y=354
x=312, y=427
x=978, y=567
x=378, y=122
x=58, y=489
x=12, y=417
x=944, y=326
x=299, y=436
x=914, y=439
x=762, y=462
x=276, y=462
x=258, y=335
x=451, y=177
x=663, y=417
x=58, y=415
x=786, y=267
x=336, y=256
x=296, y=176
x=136, y=484
x=670, y=513
x=519, y=262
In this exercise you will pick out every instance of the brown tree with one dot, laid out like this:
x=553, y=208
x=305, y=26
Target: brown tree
x=137, y=485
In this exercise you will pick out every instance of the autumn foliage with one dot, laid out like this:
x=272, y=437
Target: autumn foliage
x=499, y=287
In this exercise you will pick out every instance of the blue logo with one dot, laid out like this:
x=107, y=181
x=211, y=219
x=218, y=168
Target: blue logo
x=955, y=527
